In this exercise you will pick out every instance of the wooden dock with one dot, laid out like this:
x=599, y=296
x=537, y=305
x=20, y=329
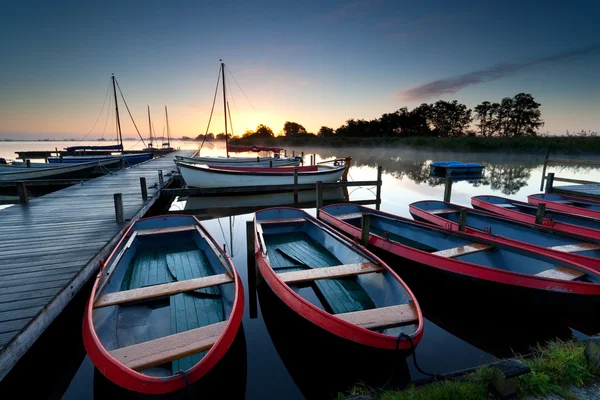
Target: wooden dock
x=51, y=247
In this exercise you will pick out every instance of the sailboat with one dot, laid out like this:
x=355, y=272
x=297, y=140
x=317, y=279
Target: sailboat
x=167, y=145
x=128, y=159
x=150, y=145
x=275, y=161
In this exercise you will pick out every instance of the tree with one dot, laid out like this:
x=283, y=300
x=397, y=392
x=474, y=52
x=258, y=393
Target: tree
x=503, y=117
x=325, y=132
x=482, y=114
x=419, y=121
x=526, y=115
x=293, y=129
x=221, y=136
x=450, y=118
x=263, y=131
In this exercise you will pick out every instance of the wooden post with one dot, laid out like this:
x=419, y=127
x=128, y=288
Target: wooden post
x=293, y=153
x=462, y=220
x=270, y=163
x=544, y=169
x=22, y=192
x=144, y=188
x=28, y=163
x=378, y=192
x=296, y=185
x=365, y=225
x=251, y=263
x=540, y=213
x=311, y=160
x=549, y=182
x=319, y=196
x=284, y=152
x=257, y=159
x=348, y=163
x=61, y=158
x=302, y=158
x=119, y=207
x=160, y=177
x=448, y=189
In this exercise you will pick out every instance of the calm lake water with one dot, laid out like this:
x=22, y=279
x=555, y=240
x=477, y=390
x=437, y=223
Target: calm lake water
x=287, y=362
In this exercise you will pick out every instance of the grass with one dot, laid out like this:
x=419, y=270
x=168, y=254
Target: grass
x=554, y=367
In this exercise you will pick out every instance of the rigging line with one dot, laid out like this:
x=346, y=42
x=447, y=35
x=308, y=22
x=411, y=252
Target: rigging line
x=131, y=116
x=222, y=232
x=107, y=115
x=101, y=110
x=212, y=109
x=234, y=106
x=236, y=82
x=230, y=121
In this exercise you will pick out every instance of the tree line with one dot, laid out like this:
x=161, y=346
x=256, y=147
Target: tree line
x=516, y=116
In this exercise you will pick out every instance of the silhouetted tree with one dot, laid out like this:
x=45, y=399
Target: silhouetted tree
x=262, y=131
x=221, y=136
x=450, y=118
x=503, y=116
x=293, y=129
x=325, y=132
x=526, y=115
x=483, y=113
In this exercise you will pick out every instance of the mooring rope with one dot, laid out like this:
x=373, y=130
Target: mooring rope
x=187, y=384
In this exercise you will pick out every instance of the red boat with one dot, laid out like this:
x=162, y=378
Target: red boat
x=335, y=284
x=578, y=225
x=567, y=204
x=500, y=229
x=513, y=271
x=165, y=307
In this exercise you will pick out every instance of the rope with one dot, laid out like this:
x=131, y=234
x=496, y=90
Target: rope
x=131, y=116
x=108, y=114
x=212, y=109
x=101, y=110
x=187, y=384
x=236, y=82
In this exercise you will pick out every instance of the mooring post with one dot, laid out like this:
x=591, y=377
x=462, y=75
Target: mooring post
x=296, y=185
x=549, y=182
x=257, y=159
x=302, y=158
x=540, y=213
x=144, y=188
x=544, y=169
x=284, y=152
x=378, y=192
x=311, y=160
x=462, y=220
x=61, y=158
x=28, y=163
x=119, y=207
x=293, y=153
x=448, y=189
x=365, y=224
x=160, y=178
x=22, y=192
x=270, y=163
x=251, y=262
x=319, y=193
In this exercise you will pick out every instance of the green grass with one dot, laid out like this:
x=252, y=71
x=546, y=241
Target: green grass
x=554, y=367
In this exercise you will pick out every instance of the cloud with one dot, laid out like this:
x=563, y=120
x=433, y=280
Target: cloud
x=348, y=9
x=456, y=83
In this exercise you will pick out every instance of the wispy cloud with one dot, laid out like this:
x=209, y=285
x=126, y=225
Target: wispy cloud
x=342, y=12
x=456, y=83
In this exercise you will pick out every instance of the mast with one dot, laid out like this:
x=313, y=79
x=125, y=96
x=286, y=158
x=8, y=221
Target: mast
x=149, y=126
x=168, y=130
x=225, y=108
x=119, y=134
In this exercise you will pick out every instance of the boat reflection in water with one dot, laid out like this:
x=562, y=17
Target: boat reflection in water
x=319, y=363
x=227, y=379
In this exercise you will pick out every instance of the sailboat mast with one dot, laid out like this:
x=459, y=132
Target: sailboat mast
x=119, y=134
x=149, y=126
x=168, y=130
x=225, y=109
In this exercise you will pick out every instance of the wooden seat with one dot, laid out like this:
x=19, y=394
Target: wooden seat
x=463, y=250
x=338, y=271
x=573, y=248
x=379, y=318
x=165, y=289
x=443, y=211
x=172, y=229
x=563, y=273
x=350, y=216
x=504, y=205
x=281, y=220
x=159, y=351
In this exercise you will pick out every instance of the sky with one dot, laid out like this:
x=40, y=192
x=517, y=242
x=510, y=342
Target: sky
x=317, y=63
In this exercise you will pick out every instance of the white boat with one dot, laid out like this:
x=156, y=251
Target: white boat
x=57, y=171
x=203, y=176
x=241, y=161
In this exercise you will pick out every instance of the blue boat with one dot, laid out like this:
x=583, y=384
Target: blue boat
x=128, y=159
x=446, y=168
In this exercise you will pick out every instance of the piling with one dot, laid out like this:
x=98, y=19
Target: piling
x=22, y=192
x=540, y=213
x=296, y=185
x=319, y=190
x=144, y=188
x=119, y=212
x=257, y=159
x=379, y=184
x=302, y=158
x=448, y=189
x=270, y=163
x=462, y=220
x=251, y=263
x=549, y=182
x=365, y=225
x=544, y=169
x=28, y=163
x=161, y=180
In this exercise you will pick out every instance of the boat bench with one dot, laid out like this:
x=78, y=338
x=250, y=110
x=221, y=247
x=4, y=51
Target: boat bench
x=338, y=271
x=172, y=229
x=384, y=317
x=169, y=348
x=280, y=220
x=162, y=290
x=443, y=211
x=349, y=216
x=463, y=250
x=563, y=273
x=574, y=248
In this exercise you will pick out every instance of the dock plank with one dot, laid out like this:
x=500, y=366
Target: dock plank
x=52, y=246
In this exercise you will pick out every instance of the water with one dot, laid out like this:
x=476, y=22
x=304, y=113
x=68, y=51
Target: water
x=296, y=363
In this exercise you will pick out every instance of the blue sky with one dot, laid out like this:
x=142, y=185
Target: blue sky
x=315, y=63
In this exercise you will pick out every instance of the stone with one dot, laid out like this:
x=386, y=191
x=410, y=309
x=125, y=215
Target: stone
x=592, y=352
x=505, y=380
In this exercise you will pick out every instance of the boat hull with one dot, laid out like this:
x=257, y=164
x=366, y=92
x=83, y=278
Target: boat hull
x=128, y=159
x=203, y=177
x=567, y=204
x=241, y=161
x=74, y=171
x=135, y=381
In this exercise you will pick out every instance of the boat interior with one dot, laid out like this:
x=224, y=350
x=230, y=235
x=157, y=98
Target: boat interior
x=328, y=272
x=569, y=201
x=452, y=244
x=168, y=297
